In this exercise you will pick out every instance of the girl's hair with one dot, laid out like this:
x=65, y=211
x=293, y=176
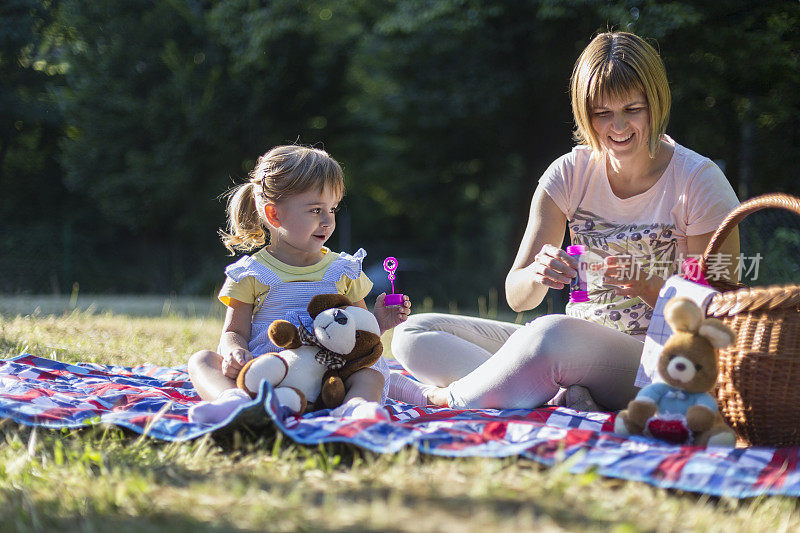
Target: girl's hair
x=282, y=172
x=613, y=65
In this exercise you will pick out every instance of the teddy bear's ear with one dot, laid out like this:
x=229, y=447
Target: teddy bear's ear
x=367, y=351
x=284, y=334
x=682, y=314
x=717, y=333
x=321, y=302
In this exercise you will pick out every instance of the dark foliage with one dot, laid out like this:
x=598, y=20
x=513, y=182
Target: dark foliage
x=123, y=123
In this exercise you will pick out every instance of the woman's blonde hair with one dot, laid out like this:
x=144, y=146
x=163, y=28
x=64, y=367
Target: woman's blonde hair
x=280, y=173
x=612, y=66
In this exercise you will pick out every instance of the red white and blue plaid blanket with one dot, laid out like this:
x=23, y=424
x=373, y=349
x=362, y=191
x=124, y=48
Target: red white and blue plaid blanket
x=155, y=400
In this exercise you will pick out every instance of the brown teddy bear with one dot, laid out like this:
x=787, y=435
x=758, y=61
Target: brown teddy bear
x=312, y=368
x=681, y=410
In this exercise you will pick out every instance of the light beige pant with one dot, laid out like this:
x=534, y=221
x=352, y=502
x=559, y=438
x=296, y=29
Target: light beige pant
x=492, y=364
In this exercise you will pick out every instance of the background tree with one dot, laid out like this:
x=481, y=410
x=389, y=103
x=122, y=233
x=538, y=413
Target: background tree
x=168, y=104
x=472, y=105
x=444, y=114
x=31, y=191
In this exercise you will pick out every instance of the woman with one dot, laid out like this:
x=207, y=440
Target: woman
x=638, y=201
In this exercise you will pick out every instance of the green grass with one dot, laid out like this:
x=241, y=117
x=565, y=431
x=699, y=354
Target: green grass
x=106, y=480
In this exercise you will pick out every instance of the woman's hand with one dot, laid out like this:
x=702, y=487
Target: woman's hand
x=553, y=267
x=234, y=360
x=624, y=274
x=540, y=263
x=389, y=317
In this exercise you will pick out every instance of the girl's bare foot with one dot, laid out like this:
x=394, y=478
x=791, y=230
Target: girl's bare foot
x=437, y=396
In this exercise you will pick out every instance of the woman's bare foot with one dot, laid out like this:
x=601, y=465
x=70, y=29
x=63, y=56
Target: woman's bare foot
x=437, y=396
x=575, y=397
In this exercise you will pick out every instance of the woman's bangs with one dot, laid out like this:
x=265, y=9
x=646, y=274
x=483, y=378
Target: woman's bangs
x=617, y=81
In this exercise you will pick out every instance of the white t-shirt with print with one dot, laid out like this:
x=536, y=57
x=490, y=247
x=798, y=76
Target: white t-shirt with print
x=691, y=197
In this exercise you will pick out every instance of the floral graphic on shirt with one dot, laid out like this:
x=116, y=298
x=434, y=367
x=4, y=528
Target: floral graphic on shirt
x=653, y=248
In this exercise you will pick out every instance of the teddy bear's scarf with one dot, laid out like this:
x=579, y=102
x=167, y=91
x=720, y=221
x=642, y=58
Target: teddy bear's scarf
x=324, y=356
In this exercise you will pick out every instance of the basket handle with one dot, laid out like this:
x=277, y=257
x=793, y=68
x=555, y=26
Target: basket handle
x=777, y=200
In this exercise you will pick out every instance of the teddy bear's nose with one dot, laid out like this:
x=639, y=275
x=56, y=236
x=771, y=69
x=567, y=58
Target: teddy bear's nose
x=680, y=367
x=340, y=317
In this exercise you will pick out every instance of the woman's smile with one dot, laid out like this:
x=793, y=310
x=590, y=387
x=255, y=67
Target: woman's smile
x=622, y=124
x=621, y=139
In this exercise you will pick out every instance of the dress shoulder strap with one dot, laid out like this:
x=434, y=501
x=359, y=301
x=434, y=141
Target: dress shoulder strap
x=247, y=266
x=346, y=264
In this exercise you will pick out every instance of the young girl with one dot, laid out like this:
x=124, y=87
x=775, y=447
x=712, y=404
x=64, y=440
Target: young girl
x=287, y=210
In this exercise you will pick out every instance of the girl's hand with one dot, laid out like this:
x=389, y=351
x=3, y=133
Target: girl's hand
x=233, y=361
x=553, y=267
x=389, y=317
x=624, y=274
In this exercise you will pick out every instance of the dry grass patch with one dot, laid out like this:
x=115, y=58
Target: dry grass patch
x=108, y=338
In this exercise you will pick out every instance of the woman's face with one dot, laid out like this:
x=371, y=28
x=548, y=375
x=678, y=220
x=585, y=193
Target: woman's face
x=622, y=125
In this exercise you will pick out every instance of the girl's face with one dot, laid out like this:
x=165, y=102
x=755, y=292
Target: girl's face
x=305, y=222
x=622, y=125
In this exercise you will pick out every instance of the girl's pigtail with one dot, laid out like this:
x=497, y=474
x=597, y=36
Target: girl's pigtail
x=245, y=230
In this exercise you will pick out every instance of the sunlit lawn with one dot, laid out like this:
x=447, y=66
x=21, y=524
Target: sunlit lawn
x=106, y=480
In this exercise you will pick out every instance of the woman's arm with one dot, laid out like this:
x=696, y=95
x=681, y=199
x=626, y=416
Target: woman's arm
x=728, y=253
x=540, y=263
x=647, y=288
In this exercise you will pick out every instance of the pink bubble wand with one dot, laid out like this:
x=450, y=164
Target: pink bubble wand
x=390, y=266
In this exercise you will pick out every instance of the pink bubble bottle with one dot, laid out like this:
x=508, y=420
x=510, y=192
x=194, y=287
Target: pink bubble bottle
x=390, y=266
x=577, y=287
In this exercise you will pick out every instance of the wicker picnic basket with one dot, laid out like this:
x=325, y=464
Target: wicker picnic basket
x=758, y=390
